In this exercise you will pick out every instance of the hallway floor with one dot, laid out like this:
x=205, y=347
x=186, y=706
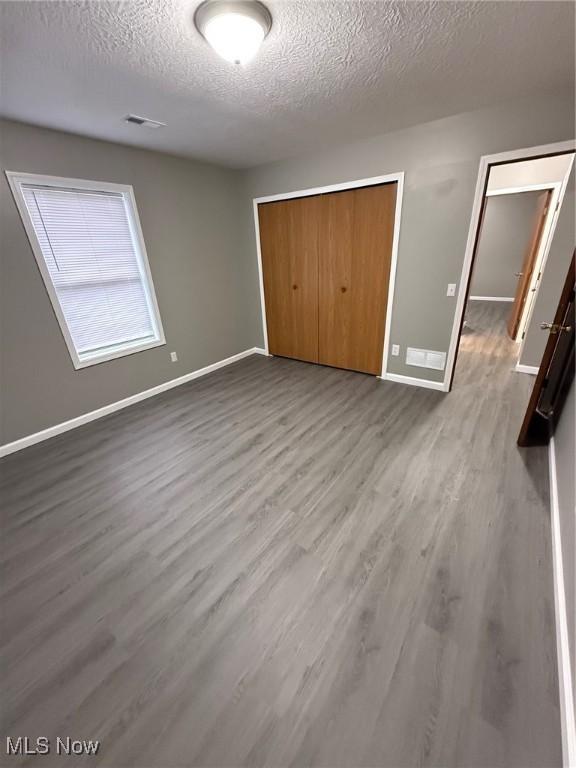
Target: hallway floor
x=283, y=564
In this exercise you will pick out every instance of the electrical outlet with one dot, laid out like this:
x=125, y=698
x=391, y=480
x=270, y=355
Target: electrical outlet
x=451, y=289
x=395, y=349
x=174, y=357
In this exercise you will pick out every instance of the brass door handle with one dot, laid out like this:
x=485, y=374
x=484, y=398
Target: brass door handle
x=518, y=274
x=555, y=328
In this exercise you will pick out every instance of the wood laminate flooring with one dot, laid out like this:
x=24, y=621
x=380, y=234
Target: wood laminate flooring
x=282, y=564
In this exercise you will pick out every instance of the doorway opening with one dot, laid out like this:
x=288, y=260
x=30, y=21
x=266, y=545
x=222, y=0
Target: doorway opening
x=518, y=199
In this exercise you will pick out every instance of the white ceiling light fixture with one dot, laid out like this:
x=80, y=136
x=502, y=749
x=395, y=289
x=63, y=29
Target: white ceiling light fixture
x=234, y=28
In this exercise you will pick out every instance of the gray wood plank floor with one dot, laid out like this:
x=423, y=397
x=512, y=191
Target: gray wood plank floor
x=282, y=564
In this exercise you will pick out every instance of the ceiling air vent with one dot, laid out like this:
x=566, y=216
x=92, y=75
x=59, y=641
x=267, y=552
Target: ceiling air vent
x=145, y=122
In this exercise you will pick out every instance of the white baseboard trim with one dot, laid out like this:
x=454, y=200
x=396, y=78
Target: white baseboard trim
x=491, y=298
x=567, y=717
x=78, y=421
x=415, y=382
x=533, y=369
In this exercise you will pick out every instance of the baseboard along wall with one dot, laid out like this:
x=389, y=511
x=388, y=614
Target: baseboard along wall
x=532, y=369
x=415, y=382
x=78, y=421
x=491, y=298
x=85, y=418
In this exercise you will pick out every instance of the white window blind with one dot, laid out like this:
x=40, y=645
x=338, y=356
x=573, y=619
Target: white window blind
x=92, y=257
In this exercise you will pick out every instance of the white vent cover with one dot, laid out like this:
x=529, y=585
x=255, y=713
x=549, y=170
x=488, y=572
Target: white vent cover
x=144, y=122
x=426, y=358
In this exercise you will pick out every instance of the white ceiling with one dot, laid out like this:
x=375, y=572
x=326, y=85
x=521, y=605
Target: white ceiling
x=328, y=72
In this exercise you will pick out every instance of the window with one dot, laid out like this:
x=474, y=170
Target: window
x=87, y=240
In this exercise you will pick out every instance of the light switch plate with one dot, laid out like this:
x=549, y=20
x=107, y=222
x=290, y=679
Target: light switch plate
x=174, y=357
x=451, y=289
x=395, y=349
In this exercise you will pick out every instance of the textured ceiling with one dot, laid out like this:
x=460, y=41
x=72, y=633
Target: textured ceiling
x=328, y=72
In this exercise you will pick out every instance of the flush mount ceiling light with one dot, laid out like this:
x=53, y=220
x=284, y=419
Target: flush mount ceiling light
x=234, y=28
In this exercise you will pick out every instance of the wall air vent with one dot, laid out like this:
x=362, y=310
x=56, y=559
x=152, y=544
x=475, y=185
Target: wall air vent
x=144, y=122
x=426, y=358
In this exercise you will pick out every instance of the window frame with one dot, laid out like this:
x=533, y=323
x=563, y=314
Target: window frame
x=15, y=181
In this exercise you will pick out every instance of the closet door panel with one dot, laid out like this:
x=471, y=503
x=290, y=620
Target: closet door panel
x=289, y=232
x=335, y=279
x=354, y=266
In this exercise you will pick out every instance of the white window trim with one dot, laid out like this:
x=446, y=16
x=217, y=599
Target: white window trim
x=15, y=180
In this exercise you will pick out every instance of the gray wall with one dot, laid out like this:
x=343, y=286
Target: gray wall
x=564, y=440
x=508, y=223
x=191, y=217
x=552, y=279
x=441, y=163
x=198, y=226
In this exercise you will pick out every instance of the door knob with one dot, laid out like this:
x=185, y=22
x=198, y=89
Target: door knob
x=555, y=328
x=518, y=274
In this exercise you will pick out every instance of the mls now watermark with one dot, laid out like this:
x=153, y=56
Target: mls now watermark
x=22, y=745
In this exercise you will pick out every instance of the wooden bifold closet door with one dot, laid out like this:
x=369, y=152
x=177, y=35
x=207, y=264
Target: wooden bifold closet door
x=289, y=247
x=326, y=268
x=355, y=253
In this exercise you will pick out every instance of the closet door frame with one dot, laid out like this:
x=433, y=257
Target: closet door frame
x=388, y=178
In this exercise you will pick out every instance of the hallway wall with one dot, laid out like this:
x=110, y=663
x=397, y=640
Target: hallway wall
x=505, y=236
